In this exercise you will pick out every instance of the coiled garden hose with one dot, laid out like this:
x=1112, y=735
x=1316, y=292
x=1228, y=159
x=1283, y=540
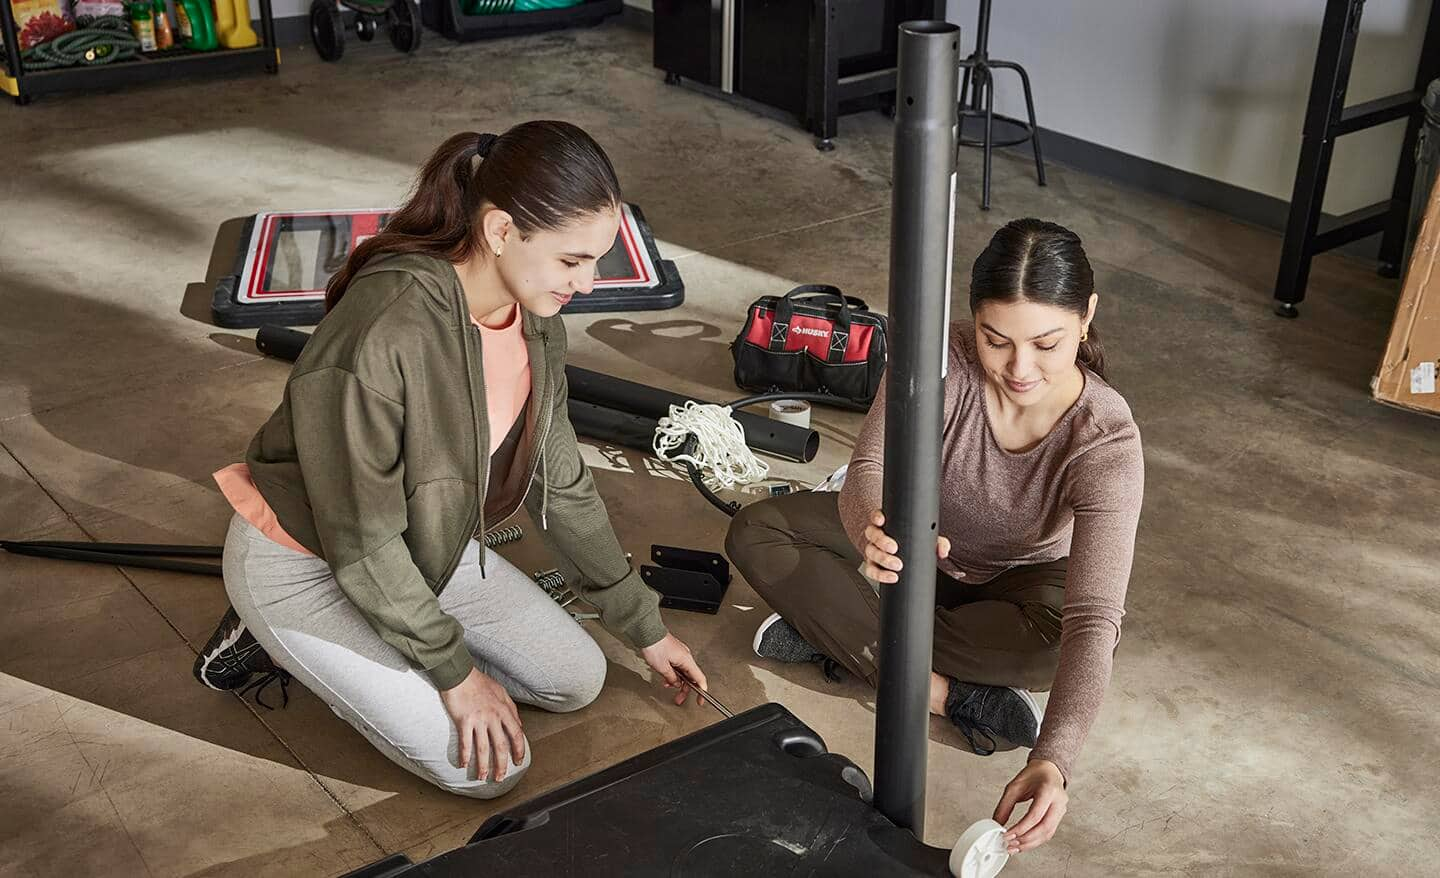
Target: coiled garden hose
x=104, y=41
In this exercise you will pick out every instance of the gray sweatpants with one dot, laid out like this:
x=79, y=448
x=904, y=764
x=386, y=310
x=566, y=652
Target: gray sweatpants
x=519, y=636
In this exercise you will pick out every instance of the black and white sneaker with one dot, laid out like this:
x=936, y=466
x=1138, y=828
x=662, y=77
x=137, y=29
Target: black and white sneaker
x=232, y=659
x=990, y=717
x=777, y=639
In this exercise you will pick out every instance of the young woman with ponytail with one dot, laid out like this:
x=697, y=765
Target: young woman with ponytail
x=427, y=408
x=1042, y=477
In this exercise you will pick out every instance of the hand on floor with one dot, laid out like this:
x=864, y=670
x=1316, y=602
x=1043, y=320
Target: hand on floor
x=880, y=549
x=1042, y=785
x=672, y=660
x=488, y=723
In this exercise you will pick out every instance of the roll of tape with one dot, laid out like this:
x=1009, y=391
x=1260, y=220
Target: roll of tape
x=791, y=411
x=980, y=852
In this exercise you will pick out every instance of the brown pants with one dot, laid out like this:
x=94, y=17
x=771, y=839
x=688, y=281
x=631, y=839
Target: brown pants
x=794, y=552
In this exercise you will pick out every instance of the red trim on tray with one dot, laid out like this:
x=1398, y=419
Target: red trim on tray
x=268, y=236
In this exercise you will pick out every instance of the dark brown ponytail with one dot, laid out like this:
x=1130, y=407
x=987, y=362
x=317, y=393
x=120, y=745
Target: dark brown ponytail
x=1032, y=260
x=544, y=174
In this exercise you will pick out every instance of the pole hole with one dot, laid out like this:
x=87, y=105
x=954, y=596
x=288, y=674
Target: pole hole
x=909, y=102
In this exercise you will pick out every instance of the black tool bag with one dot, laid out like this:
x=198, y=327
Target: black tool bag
x=815, y=339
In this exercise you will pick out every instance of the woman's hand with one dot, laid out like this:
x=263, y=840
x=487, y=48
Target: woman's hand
x=488, y=724
x=672, y=660
x=1042, y=785
x=881, y=564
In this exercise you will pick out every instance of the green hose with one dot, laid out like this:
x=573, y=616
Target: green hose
x=105, y=41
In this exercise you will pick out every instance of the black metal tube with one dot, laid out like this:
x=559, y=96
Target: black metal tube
x=615, y=427
x=113, y=558
x=921, y=235
x=142, y=549
x=280, y=342
x=761, y=433
x=608, y=392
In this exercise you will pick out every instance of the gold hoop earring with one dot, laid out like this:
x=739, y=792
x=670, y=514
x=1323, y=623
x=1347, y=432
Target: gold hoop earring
x=1084, y=334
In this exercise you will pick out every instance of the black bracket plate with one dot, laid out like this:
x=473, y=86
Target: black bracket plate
x=696, y=560
x=688, y=579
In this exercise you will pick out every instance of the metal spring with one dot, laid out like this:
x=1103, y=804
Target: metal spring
x=503, y=535
x=553, y=582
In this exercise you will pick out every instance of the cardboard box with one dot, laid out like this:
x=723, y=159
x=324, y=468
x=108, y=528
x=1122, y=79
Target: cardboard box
x=1409, y=374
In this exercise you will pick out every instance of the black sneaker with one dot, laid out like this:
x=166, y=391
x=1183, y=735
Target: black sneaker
x=992, y=716
x=777, y=639
x=232, y=659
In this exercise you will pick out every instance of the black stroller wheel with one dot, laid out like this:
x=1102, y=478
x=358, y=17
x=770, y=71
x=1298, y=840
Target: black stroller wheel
x=327, y=29
x=365, y=28
x=404, y=25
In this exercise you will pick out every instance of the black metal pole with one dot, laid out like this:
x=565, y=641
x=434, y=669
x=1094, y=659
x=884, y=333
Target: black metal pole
x=921, y=234
x=117, y=559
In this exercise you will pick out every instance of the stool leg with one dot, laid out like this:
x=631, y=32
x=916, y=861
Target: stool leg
x=989, y=134
x=1030, y=110
x=969, y=79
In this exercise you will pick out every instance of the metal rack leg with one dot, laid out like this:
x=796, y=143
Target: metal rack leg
x=14, y=64
x=1338, y=32
x=267, y=37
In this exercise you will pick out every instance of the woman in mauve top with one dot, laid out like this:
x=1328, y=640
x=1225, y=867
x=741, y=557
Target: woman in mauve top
x=1041, y=485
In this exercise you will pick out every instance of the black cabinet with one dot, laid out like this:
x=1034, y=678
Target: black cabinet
x=816, y=59
x=688, y=38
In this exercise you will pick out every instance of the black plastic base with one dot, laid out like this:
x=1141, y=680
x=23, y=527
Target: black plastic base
x=1287, y=310
x=754, y=795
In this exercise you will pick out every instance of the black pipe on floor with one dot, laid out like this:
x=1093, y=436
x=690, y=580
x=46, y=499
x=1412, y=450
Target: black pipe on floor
x=617, y=395
x=761, y=433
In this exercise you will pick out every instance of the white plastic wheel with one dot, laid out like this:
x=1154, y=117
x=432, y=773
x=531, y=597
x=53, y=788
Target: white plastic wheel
x=980, y=852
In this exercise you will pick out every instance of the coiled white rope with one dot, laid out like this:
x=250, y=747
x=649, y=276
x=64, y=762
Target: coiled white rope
x=721, y=453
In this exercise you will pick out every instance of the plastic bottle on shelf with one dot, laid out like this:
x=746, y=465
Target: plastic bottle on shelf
x=142, y=25
x=239, y=34
x=201, y=20
x=164, y=36
x=183, y=31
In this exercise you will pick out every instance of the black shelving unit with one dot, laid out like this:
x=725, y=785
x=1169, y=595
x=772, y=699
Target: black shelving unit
x=1328, y=118
x=172, y=64
x=448, y=18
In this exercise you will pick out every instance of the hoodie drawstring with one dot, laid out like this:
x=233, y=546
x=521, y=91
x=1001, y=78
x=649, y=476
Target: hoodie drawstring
x=544, y=490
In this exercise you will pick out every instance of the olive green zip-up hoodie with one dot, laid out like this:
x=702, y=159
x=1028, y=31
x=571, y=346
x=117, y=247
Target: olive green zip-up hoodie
x=377, y=460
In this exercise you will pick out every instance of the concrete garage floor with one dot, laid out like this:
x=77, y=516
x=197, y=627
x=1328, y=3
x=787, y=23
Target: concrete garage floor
x=1273, y=710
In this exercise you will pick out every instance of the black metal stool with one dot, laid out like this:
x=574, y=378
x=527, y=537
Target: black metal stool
x=977, y=74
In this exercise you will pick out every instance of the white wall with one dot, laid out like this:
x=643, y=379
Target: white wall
x=1214, y=87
